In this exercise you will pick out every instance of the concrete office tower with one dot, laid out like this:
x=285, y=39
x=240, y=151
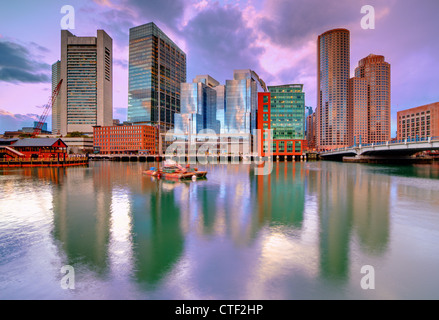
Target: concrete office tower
x=376, y=71
x=358, y=119
x=333, y=68
x=56, y=116
x=87, y=89
x=198, y=106
x=242, y=102
x=157, y=67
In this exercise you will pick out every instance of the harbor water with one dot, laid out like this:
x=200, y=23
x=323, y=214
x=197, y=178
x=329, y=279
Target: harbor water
x=306, y=231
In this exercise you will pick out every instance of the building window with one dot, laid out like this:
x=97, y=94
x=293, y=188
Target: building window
x=282, y=146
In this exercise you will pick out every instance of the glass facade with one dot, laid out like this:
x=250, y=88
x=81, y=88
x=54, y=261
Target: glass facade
x=198, y=109
x=282, y=110
x=241, y=102
x=157, y=67
x=288, y=112
x=56, y=115
x=221, y=106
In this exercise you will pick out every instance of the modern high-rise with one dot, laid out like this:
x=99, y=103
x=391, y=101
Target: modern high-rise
x=221, y=106
x=241, y=102
x=282, y=109
x=308, y=111
x=333, y=68
x=56, y=117
x=311, y=123
x=198, y=107
x=157, y=67
x=376, y=71
x=358, y=111
x=86, y=95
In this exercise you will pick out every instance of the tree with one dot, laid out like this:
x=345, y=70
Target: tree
x=75, y=134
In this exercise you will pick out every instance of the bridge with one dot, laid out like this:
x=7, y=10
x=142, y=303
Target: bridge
x=390, y=150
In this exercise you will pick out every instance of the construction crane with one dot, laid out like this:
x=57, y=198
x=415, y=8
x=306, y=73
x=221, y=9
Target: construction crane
x=46, y=110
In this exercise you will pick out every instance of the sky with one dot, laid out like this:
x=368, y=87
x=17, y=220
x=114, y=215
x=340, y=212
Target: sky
x=275, y=38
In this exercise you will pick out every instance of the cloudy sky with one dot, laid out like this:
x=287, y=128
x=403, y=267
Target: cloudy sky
x=275, y=38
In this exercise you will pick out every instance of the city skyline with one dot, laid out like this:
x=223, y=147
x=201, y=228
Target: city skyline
x=256, y=36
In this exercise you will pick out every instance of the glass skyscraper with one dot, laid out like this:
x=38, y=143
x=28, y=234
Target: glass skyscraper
x=198, y=106
x=157, y=67
x=56, y=116
x=241, y=101
x=221, y=106
x=308, y=111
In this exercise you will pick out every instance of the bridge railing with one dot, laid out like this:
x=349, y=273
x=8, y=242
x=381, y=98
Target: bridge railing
x=403, y=141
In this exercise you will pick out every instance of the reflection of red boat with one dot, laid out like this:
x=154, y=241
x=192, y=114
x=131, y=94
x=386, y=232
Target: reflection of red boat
x=176, y=172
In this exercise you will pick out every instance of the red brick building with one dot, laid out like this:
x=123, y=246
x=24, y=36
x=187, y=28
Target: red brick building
x=125, y=139
x=420, y=122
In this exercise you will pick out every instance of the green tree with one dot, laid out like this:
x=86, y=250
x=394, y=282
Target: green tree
x=75, y=134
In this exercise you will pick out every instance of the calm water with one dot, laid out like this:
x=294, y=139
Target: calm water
x=303, y=232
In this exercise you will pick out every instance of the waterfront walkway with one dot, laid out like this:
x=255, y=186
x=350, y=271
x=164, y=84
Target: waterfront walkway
x=186, y=158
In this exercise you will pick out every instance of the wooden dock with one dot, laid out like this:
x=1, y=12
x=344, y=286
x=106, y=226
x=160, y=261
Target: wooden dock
x=22, y=163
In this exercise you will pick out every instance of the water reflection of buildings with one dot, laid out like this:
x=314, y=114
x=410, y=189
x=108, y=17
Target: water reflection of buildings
x=111, y=219
x=55, y=175
x=371, y=209
x=281, y=195
x=224, y=206
x=157, y=237
x=335, y=222
x=243, y=203
x=81, y=207
x=349, y=198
